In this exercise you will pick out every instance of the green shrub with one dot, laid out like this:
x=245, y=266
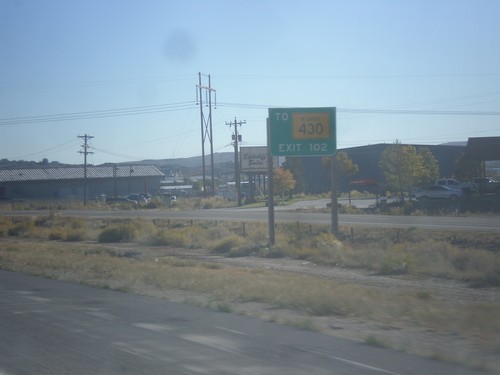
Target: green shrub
x=45, y=221
x=20, y=229
x=212, y=202
x=4, y=226
x=56, y=234
x=227, y=244
x=272, y=252
x=348, y=209
x=180, y=236
x=74, y=235
x=243, y=251
x=396, y=260
x=118, y=233
x=170, y=237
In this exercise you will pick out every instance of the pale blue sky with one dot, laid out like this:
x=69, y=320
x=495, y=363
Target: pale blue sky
x=84, y=58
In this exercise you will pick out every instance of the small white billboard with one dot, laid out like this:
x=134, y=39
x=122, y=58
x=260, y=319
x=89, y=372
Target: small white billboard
x=254, y=159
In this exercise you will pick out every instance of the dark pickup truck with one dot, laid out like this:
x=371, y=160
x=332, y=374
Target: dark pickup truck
x=487, y=185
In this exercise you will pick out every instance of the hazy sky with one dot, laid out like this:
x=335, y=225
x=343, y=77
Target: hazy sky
x=125, y=72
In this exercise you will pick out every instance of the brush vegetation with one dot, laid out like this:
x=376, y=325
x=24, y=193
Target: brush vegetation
x=464, y=256
x=117, y=254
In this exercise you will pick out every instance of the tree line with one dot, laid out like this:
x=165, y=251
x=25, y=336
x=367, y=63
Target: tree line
x=403, y=166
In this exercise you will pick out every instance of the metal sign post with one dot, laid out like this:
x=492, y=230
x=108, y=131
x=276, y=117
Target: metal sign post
x=270, y=190
x=305, y=132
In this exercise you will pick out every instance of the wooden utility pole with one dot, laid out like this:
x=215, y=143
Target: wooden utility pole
x=236, y=140
x=334, y=200
x=85, y=151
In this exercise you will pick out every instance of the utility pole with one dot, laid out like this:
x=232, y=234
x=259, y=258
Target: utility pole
x=334, y=187
x=115, y=182
x=206, y=125
x=236, y=140
x=85, y=152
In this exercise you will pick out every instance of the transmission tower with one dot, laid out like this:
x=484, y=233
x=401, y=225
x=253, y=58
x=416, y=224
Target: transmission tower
x=206, y=125
x=85, y=151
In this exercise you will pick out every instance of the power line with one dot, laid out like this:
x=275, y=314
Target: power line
x=64, y=145
x=354, y=76
x=114, y=82
x=417, y=112
x=97, y=114
x=133, y=111
x=375, y=111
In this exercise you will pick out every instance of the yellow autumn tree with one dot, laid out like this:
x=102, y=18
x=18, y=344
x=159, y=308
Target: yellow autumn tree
x=283, y=181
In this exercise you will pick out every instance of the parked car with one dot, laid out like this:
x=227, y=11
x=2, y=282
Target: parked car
x=138, y=198
x=439, y=192
x=146, y=196
x=467, y=187
x=487, y=185
x=121, y=200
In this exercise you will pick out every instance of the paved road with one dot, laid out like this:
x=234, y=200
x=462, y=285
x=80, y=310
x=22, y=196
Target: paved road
x=51, y=327
x=290, y=214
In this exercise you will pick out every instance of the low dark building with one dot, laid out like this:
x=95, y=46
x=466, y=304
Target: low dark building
x=68, y=183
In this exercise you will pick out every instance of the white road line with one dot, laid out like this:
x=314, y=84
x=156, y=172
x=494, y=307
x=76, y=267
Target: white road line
x=127, y=348
x=154, y=327
x=358, y=364
x=100, y=314
x=215, y=342
x=231, y=330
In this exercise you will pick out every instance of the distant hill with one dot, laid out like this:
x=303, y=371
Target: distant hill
x=192, y=166
x=22, y=164
x=463, y=143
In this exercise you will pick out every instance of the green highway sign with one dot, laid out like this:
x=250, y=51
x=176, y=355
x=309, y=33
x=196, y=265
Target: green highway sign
x=302, y=131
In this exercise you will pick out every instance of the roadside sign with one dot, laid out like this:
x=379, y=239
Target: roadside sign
x=302, y=131
x=254, y=159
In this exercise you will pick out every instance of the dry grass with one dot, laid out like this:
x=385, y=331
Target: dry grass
x=109, y=265
x=469, y=257
x=68, y=249
x=101, y=265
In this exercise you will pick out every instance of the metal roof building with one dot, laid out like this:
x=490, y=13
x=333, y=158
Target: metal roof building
x=68, y=182
x=483, y=148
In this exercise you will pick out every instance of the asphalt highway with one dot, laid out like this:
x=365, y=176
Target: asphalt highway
x=289, y=214
x=52, y=327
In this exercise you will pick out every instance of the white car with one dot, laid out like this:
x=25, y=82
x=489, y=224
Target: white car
x=439, y=192
x=467, y=187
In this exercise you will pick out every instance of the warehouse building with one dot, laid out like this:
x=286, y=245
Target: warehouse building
x=70, y=182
